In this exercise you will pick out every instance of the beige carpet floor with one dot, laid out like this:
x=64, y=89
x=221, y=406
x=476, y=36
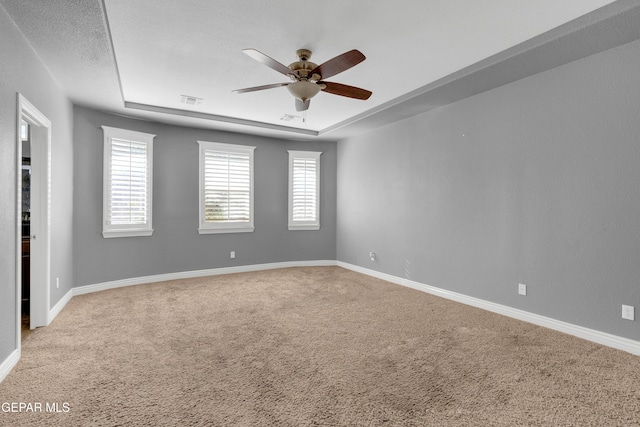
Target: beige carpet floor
x=319, y=346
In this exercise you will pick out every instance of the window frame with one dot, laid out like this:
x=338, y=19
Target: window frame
x=126, y=230
x=304, y=225
x=205, y=227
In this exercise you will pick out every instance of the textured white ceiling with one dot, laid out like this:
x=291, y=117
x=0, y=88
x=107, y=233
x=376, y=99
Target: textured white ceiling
x=72, y=40
x=138, y=57
x=165, y=49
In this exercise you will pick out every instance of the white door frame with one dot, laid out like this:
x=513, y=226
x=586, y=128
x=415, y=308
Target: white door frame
x=40, y=227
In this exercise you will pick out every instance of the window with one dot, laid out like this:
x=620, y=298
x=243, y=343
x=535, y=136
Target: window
x=127, y=183
x=304, y=190
x=226, y=188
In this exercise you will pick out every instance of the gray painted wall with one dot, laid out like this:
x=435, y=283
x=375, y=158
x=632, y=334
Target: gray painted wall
x=21, y=71
x=535, y=182
x=175, y=245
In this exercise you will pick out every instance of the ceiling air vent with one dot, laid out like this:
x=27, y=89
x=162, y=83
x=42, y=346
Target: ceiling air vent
x=190, y=100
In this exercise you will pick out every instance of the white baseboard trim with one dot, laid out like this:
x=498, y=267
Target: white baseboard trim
x=59, y=306
x=7, y=365
x=198, y=273
x=610, y=340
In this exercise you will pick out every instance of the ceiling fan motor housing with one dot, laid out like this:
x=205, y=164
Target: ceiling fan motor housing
x=303, y=68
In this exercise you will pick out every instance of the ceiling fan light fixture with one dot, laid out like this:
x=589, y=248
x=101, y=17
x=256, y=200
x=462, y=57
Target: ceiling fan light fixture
x=303, y=89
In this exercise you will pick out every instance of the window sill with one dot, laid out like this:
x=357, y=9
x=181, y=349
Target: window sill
x=107, y=234
x=225, y=230
x=305, y=227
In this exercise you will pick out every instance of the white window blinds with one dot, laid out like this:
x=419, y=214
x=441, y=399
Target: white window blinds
x=226, y=188
x=128, y=181
x=304, y=190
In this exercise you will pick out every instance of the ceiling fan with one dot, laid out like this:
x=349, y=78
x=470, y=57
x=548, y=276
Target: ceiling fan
x=307, y=78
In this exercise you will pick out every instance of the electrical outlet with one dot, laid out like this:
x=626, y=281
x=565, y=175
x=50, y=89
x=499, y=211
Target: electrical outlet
x=372, y=256
x=232, y=254
x=57, y=283
x=628, y=312
x=522, y=289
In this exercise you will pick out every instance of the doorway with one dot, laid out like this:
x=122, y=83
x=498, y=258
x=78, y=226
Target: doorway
x=33, y=231
x=25, y=243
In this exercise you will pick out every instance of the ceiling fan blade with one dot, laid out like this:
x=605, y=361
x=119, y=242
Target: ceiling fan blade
x=268, y=61
x=302, y=105
x=255, y=88
x=339, y=64
x=345, y=90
